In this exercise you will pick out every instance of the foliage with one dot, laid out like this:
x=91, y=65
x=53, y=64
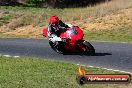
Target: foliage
x=5, y=19
x=52, y=3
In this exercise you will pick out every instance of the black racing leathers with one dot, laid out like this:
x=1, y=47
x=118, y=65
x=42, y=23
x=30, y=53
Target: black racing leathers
x=56, y=29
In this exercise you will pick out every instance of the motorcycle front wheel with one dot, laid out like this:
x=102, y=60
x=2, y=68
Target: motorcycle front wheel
x=89, y=49
x=56, y=48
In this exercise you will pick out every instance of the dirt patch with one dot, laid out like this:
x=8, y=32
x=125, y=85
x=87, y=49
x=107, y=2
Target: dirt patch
x=29, y=30
x=123, y=17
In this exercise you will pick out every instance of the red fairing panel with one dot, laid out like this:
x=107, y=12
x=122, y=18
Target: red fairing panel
x=45, y=32
x=74, y=33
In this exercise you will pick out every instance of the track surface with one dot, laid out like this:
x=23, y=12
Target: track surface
x=109, y=55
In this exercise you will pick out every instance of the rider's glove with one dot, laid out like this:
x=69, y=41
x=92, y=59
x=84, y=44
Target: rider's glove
x=64, y=40
x=44, y=35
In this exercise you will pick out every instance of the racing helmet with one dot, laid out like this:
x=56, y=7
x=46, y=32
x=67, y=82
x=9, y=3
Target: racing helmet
x=54, y=19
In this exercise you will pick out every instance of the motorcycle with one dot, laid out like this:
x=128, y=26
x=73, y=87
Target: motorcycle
x=74, y=42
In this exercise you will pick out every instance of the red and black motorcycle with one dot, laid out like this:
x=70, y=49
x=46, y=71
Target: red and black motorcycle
x=74, y=42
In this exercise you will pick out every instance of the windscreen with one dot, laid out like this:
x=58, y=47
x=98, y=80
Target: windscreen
x=71, y=31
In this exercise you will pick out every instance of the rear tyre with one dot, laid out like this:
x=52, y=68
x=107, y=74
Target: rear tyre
x=89, y=49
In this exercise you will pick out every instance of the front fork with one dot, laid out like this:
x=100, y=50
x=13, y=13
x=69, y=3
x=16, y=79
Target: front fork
x=81, y=46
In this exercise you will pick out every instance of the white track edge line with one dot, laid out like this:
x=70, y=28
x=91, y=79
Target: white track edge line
x=16, y=56
x=108, y=69
x=7, y=55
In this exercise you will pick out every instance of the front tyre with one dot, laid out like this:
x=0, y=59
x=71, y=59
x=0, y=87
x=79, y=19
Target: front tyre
x=89, y=49
x=57, y=48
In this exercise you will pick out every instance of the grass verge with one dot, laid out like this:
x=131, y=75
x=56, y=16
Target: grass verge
x=5, y=19
x=118, y=34
x=40, y=73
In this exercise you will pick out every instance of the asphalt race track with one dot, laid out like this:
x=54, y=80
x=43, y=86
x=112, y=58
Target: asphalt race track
x=108, y=54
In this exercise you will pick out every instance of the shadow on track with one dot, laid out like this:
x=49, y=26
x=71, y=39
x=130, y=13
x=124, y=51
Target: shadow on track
x=96, y=54
x=102, y=54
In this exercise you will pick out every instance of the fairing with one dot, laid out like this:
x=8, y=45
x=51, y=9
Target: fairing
x=45, y=32
x=74, y=33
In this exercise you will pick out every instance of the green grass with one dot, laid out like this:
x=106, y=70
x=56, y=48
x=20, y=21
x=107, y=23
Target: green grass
x=119, y=34
x=41, y=73
x=5, y=19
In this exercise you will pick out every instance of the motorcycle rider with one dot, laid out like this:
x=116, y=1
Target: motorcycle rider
x=55, y=27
